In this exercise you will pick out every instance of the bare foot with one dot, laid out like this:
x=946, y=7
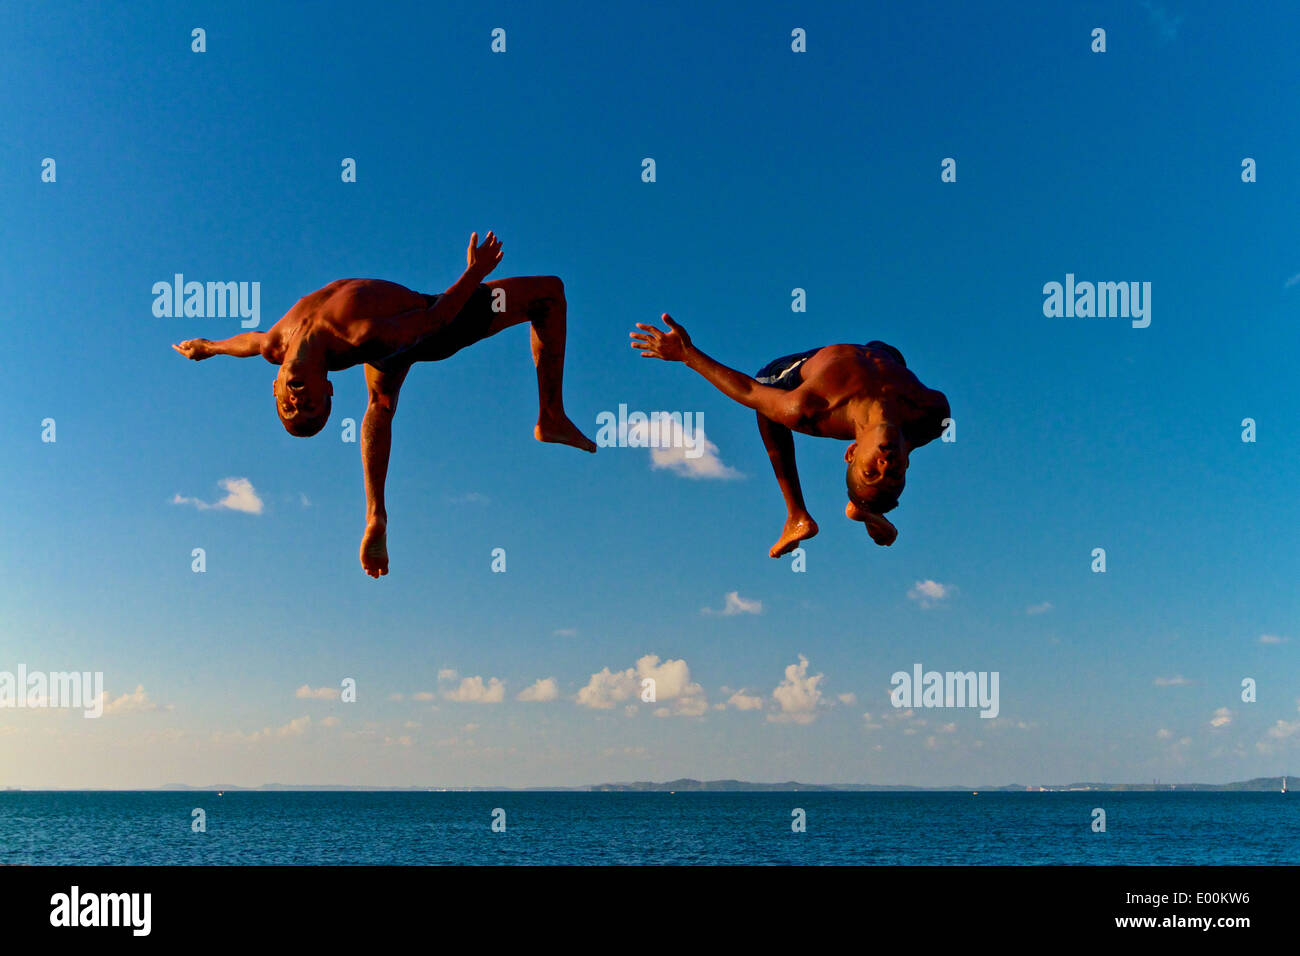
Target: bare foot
x=374, y=548
x=563, y=432
x=797, y=528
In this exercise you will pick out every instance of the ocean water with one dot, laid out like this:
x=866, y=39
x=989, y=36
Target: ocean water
x=419, y=828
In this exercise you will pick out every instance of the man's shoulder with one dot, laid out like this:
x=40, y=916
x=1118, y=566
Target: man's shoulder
x=934, y=414
x=841, y=351
x=271, y=345
x=833, y=357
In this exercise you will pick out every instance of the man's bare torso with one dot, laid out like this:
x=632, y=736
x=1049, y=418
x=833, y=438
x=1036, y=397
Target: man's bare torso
x=839, y=374
x=355, y=320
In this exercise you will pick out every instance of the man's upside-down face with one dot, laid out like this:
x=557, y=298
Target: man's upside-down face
x=876, y=474
x=302, y=400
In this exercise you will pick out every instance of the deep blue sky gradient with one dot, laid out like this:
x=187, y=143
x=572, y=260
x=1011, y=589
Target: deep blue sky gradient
x=775, y=170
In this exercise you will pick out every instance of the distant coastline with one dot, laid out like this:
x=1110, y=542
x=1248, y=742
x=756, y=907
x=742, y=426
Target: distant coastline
x=691, y=785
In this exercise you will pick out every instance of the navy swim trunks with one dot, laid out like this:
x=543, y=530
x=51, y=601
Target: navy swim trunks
x=471, y=324
x=784, y=373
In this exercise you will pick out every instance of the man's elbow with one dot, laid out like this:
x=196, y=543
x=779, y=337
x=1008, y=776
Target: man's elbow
x=791, y=411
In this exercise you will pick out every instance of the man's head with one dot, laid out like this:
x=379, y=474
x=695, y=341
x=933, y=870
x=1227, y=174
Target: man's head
x=877, y=472
x=302, y=400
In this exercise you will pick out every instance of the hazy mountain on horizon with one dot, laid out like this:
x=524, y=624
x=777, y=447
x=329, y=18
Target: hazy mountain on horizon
x=691, y=785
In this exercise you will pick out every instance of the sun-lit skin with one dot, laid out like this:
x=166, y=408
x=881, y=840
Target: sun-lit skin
x=388, y=328
x=850, y=392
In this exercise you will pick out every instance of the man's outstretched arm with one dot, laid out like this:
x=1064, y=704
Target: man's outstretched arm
x=785, y=408
x=403, y=331
x=244, y=345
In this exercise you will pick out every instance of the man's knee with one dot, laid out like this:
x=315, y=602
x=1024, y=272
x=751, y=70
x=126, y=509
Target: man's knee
x=382, y=406
x=551, y=287
x=546, y=296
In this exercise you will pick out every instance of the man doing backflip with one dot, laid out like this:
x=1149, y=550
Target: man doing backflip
x=863, y=394
x=388, y=328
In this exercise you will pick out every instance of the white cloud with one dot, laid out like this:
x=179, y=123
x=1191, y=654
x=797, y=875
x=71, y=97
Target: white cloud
x=798, y=696
x=294, y=728
x=705, y=464
x=1281, y=730
x=448, y=673
x=135, y=702
x=541, y=691
x=240, y=496
x=1273, y=639
x=672, y=684
x=929, y=593
x=1164, y=733
x=330, y=722
x=742, y=701
x=472, y=690
x=1284, y=728
x=565, y=632
x=607, y=688
x=849, y=699
x=1222, y=717
x=423, y=696
x=307, y=692
x=734, y=604
x=1178, y=680
x=1039, y=608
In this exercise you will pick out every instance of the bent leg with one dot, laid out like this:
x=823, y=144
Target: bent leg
x=376, y=444
x=539, y=300
x=799, y=524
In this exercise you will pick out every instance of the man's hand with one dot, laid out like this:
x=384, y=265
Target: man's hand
x=671, y=346
x=881, y=530
x=196, y=349
x=481, y=260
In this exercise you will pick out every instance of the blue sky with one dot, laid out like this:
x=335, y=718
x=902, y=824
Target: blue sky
x=775, y=170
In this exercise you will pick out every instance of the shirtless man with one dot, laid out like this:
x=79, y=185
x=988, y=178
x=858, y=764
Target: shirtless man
x=859, y=393
x=389, y=328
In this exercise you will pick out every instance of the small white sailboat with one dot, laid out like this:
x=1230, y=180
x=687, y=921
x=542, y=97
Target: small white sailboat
x=1284, y=784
